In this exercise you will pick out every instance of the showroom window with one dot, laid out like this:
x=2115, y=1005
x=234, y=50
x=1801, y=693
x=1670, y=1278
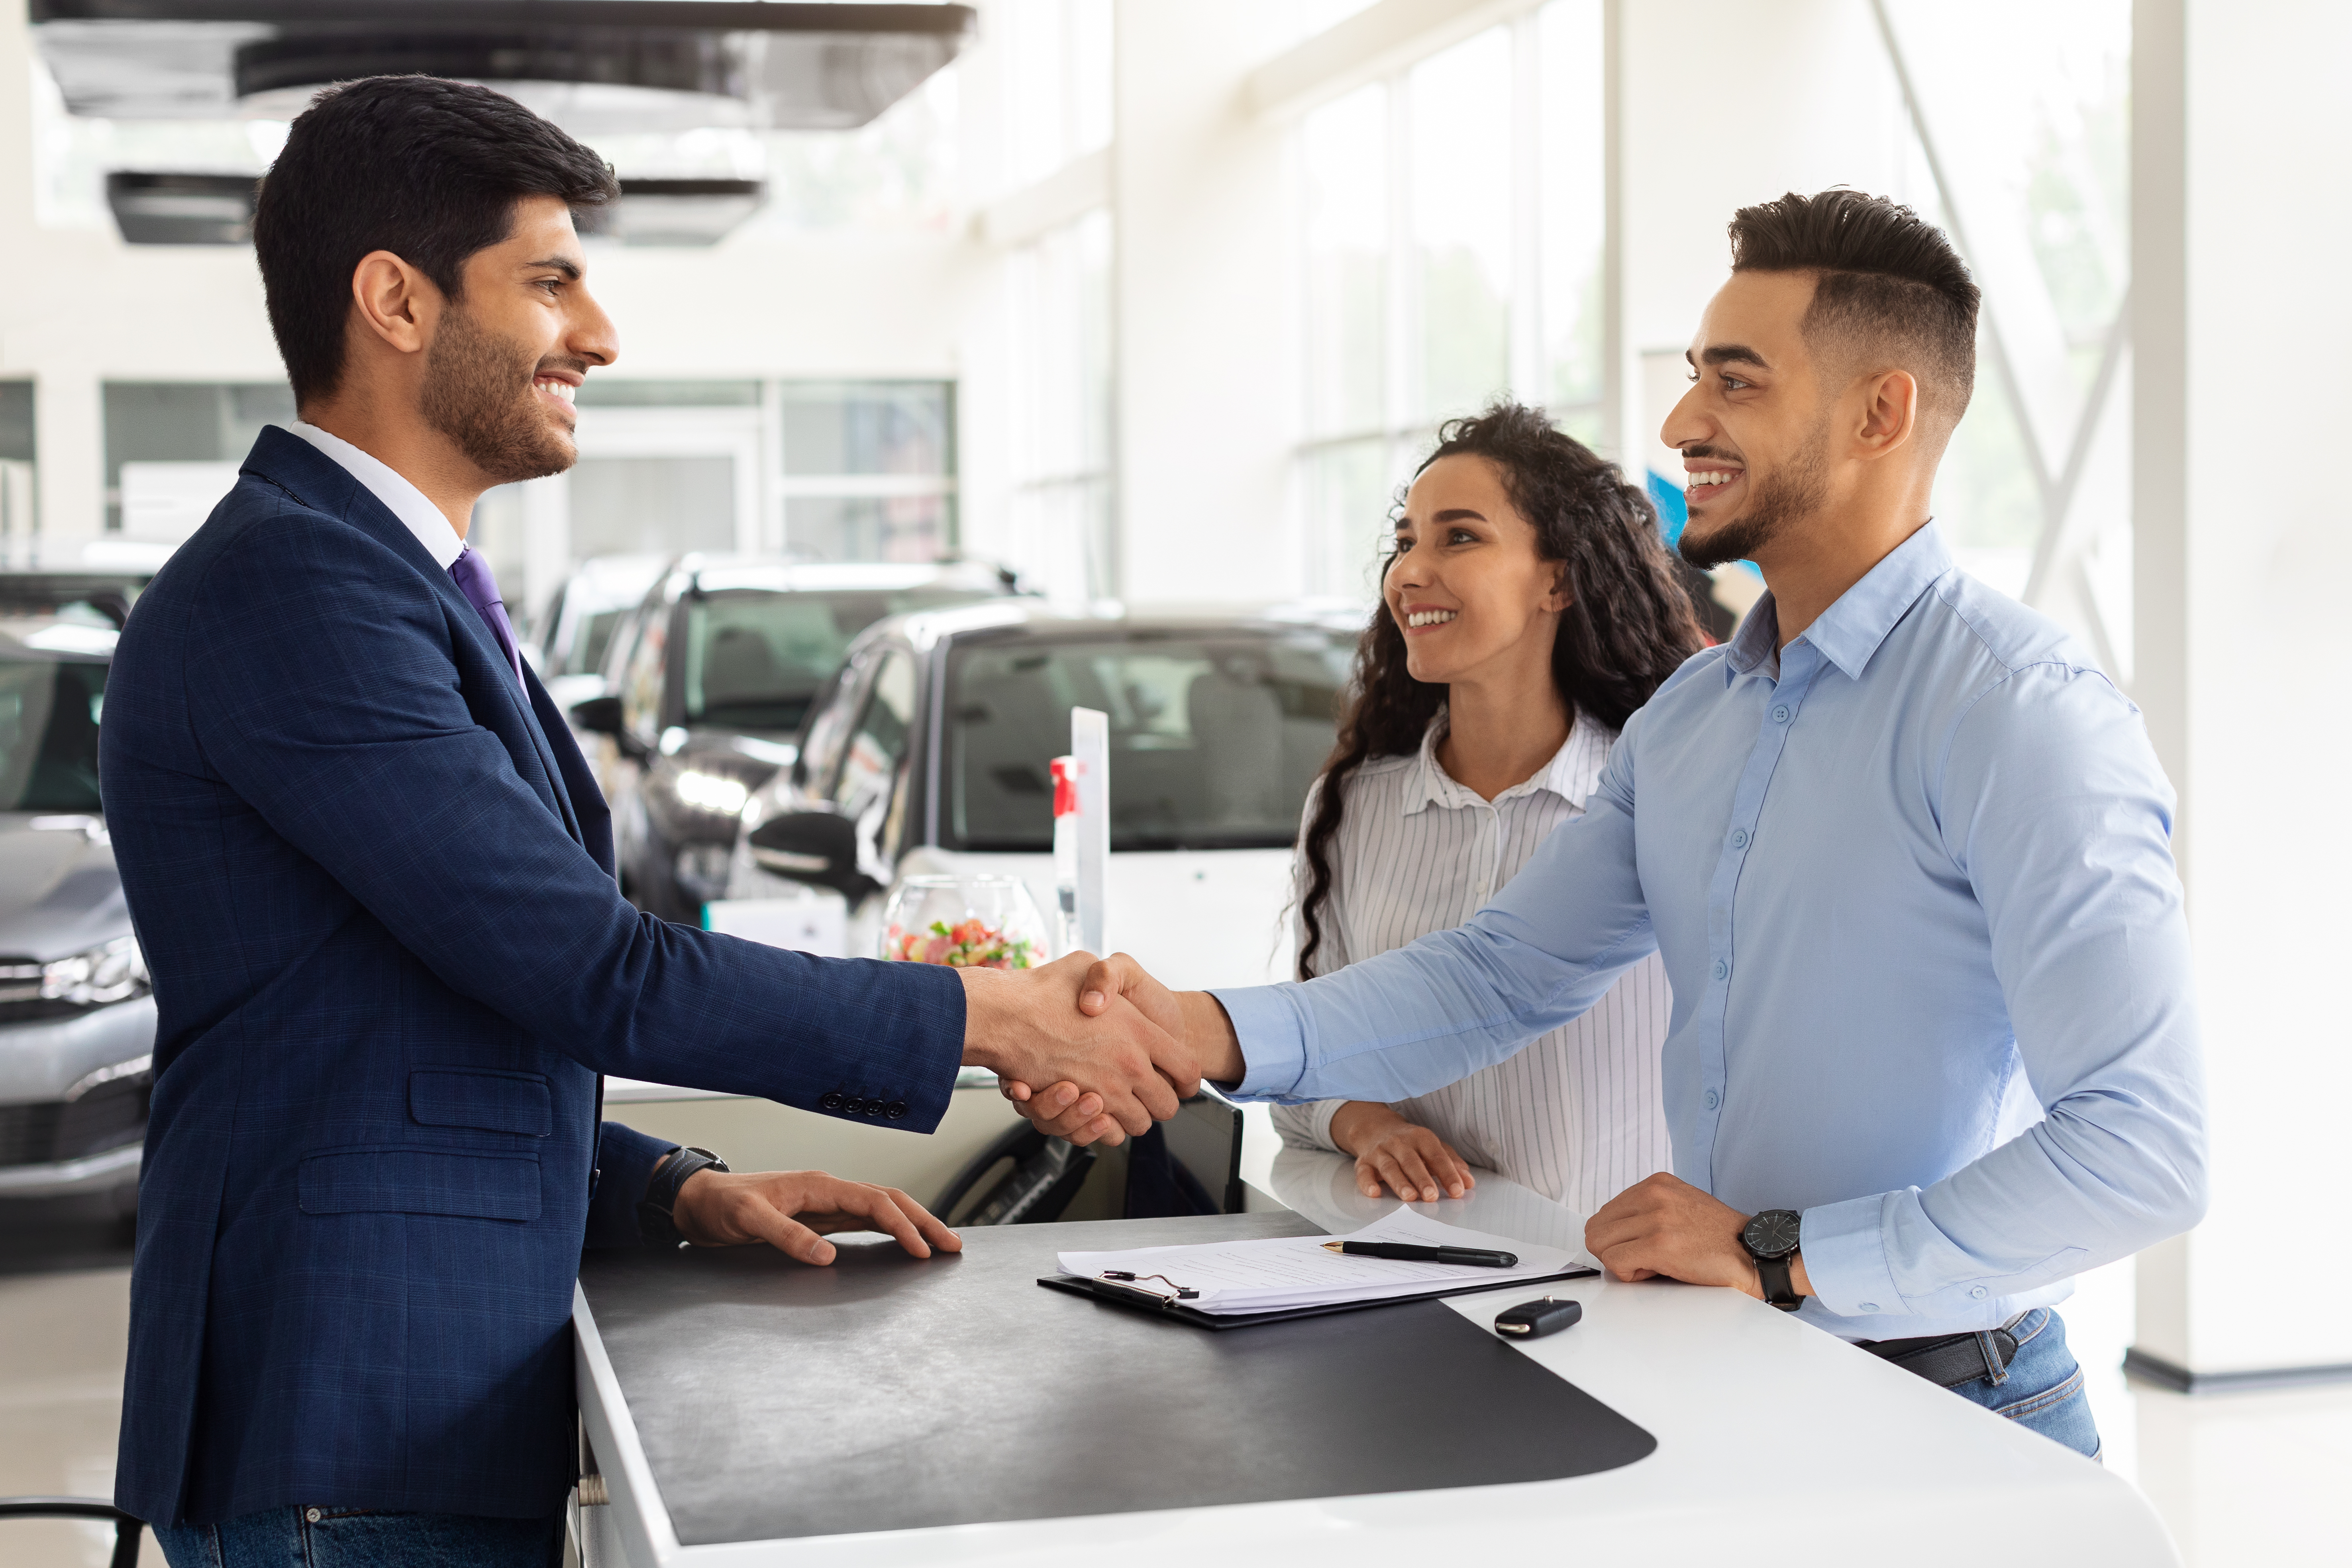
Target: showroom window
x=19, y=523
x=1453, y=226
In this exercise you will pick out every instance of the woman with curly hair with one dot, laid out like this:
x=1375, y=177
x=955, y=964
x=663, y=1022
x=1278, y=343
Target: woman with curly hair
x=1527, y=608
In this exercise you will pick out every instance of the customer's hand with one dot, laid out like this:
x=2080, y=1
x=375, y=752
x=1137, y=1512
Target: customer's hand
x=1663, y=1225
x=1112, y=1070
x=1413, y=1161
x=789, y=1210
x=1201, y=1040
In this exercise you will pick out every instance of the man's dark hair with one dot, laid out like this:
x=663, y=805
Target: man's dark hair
x=427, y=169
x=1889, y=283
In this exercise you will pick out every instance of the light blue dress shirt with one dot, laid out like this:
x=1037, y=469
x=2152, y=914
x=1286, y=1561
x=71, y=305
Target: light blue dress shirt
x=1912, y=877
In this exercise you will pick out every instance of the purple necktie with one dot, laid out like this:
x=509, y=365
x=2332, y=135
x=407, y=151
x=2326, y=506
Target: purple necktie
x=482, y=591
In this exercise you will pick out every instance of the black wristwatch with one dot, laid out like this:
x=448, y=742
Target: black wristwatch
x=1772, y=1239
x=654, y=1221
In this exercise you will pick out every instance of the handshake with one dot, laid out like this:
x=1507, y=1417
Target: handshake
x=1095, y=1049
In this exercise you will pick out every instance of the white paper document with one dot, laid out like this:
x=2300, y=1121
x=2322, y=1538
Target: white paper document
x=1297, y=1272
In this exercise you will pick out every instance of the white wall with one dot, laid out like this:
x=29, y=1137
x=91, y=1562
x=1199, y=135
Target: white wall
x=2238, y=334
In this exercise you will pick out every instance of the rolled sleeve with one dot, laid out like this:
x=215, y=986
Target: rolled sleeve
x=1844, y=1247
x=1308, y=1126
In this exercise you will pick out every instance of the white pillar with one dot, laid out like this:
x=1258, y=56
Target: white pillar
x=2235, y=272
x=1207, y=406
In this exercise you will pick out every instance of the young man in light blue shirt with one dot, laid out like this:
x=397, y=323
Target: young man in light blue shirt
x=1905, y=851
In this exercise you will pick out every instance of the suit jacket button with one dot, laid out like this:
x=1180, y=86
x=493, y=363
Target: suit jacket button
x=894, y=1110
x=830, y=1102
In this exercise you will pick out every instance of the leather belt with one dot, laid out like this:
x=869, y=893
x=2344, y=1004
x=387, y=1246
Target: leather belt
x=1951, y=1360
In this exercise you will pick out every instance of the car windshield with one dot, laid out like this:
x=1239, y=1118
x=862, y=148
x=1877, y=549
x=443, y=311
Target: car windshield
x=755, y=660
x=1215, y=738
x=590, y=642
x=50, y=700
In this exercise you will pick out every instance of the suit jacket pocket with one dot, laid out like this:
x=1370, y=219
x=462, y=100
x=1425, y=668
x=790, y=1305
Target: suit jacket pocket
x=493, y=1102
x=420, y=1181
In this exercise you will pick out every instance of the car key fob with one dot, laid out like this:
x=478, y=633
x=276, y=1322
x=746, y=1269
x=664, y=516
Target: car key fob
x=1533, y=1320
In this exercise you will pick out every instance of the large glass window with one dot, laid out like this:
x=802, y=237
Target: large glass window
x=1453, y=222
x=869, y=469
x=173, y=449
x=1214, y=740
x=1061, y=503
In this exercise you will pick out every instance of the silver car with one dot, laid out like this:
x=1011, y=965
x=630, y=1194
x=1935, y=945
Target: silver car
x=76, y=1020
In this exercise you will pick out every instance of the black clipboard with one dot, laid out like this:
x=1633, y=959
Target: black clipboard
x=1159, y=1305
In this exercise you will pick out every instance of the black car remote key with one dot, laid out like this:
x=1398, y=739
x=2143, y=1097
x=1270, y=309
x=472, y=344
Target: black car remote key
x=1533, y=1320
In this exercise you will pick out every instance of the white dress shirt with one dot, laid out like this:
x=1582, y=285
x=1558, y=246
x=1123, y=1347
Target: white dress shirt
x=425, y=520
x=1579, y=1115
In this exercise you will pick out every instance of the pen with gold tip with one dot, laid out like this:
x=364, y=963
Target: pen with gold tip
x=1405, y=1252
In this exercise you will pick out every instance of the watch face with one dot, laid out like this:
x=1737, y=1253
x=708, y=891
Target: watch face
x=1775, y=1233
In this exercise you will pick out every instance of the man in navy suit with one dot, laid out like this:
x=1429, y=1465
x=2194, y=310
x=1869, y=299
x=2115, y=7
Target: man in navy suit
x=372, y=878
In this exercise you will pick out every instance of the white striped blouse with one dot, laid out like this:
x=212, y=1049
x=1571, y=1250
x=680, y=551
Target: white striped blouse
x=1577, y=1114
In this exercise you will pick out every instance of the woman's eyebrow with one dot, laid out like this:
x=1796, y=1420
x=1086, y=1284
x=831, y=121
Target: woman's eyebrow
x=1457, y=514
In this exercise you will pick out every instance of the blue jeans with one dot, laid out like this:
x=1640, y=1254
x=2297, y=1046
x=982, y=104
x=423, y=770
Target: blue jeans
x=2043, y=1388
x=363, y=1538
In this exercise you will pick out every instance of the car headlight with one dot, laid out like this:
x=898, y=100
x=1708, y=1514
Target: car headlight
x=112, y=972
x=717, y=794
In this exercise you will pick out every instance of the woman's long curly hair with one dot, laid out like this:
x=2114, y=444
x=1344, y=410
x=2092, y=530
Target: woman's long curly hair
x=1628, y=625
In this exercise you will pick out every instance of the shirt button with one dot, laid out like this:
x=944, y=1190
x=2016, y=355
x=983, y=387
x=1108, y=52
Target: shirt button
x=1721, y=969
x=1977, y=1292
x=1780, y=714
x=1738, y=838
x=1711, y=1100
x=831, y=1102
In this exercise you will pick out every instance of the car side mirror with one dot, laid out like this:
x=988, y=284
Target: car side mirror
x=599, y=715
x=816, y=847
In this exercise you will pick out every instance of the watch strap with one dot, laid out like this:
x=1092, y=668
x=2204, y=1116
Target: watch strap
x=655, y=1221
x=1780, y=1289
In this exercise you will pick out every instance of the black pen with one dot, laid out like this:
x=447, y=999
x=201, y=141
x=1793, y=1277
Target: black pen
x=1406, y=1253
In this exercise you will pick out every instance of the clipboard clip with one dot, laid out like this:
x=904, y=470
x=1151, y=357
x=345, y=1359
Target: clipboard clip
x=1175, y=1293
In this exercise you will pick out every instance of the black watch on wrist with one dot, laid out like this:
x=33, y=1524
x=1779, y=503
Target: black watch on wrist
x=654, y=1221
x=1772, y=1239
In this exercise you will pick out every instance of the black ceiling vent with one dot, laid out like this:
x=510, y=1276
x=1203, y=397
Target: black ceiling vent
x=218, y=209
x=630, y=63
x=181, y=209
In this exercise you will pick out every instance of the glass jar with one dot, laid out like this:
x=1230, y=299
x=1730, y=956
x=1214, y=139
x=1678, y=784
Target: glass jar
x=987, y=922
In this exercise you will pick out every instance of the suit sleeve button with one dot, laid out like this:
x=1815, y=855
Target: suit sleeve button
x=831, y=1102
x=896, y=1110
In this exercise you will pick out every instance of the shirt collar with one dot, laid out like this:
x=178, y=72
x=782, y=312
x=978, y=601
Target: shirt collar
x=1572, y=774
x=1851, y=630
x=400, y=498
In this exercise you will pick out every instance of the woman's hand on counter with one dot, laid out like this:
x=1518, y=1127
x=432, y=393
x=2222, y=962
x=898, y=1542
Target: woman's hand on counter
x=1417, y=1165
x=789, y=1210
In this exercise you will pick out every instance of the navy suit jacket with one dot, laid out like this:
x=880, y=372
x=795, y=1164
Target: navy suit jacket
x=372, y=879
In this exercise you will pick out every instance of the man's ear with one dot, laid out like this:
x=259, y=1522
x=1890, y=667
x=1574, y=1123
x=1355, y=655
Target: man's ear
x=1890, y=413
x=393, y=302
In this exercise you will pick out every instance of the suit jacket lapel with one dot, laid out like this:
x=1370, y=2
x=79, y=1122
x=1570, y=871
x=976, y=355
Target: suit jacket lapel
x=320, y=481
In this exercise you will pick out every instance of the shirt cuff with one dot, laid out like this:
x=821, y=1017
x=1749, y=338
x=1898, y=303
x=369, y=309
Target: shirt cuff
x=1308, y=1126
x=1845, y=1258
x=1273, y=1040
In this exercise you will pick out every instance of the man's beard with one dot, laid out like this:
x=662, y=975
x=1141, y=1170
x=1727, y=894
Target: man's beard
x=1779, y=498
x=479, y=393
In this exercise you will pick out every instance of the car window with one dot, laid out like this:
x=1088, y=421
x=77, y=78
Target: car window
x=829, y=726
x=873, y=764
x=641, y=679
x=48, y=729
x=591, y=640
x=757, y=660
x=1214, y=738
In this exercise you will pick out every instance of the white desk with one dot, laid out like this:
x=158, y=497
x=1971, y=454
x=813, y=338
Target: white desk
x=1775, y=1443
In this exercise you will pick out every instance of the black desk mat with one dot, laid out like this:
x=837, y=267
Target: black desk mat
x=888, y=1393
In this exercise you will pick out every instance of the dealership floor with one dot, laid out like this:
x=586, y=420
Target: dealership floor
x=2241, y=1479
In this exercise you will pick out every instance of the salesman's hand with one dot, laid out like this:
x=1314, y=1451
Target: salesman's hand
x=790, y=1209
x=1418, y=1164
x=1113, y=1071
x=1663, y=1225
